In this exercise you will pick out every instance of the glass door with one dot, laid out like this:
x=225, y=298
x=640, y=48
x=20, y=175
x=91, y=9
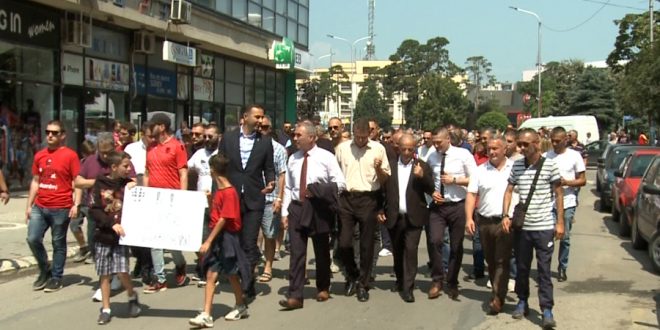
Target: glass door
x=72, y=105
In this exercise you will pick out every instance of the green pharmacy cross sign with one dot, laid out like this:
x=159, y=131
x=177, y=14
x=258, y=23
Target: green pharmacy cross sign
x=283, y=54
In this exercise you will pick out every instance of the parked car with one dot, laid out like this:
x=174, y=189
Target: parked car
x=594, y=151
x=600, y=172
x=645, y=229
x=626, y=184
x=612, y=162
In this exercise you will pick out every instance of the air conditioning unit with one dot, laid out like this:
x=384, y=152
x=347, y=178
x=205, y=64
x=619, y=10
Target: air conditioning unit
x=180, y=12
x=78, y=32
x=144, y=42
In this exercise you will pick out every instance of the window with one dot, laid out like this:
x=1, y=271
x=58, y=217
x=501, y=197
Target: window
x=303, y=16
x=223, y=6
x=239, y=9
x=292, y=11
x=280, y=25
x=280, y=6
x=270, y=4
x=268, y=20
x=254, y=14
x=292, y=30
x=234, y=72
x=303, y=35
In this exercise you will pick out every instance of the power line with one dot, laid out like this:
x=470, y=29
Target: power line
x=615, y=5
x=604, y=4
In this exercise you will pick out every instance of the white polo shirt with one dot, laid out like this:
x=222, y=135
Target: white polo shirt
x=570, y=164
x=489, y=184
x=459, y=163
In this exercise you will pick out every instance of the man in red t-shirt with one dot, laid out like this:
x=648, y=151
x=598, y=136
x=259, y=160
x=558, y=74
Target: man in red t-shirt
x=51, y=205
x=166, y=167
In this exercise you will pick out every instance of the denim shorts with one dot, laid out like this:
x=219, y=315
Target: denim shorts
x=270, y=222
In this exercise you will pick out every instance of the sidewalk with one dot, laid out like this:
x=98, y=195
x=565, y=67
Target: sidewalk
x=14, y=251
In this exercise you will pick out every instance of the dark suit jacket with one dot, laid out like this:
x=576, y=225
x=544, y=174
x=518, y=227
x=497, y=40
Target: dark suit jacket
x=316, y=215
x=249, y=181
x=418, y=213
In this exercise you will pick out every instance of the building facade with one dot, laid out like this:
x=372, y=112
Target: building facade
x=92, y=62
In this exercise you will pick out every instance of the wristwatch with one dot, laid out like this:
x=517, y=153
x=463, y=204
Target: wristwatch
x=504, y=215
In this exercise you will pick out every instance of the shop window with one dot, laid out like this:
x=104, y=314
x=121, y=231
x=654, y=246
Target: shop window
x=234, y=93
x=234, y=72
x=231, y=115
x=219, y=68
x=219, y=92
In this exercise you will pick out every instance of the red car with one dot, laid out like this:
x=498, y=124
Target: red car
x=626, y=184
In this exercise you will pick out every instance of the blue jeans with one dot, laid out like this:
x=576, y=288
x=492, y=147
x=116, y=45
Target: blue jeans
x=477, y=253
x=58, y=221
x=565, y=244
x=158, y=259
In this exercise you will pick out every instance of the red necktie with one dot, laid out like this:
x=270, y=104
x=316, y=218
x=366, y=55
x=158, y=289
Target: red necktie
x=303, y=179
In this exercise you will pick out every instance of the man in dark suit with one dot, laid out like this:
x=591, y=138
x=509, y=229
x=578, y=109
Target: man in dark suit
x=250, y=157
x=406, y=212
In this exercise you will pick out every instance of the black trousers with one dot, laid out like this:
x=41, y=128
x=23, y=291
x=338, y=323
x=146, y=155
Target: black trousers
x=251, y=222
x=447, y=215
x=360, y=209
x=524, y=244
x=298, y=257
x=405, y=239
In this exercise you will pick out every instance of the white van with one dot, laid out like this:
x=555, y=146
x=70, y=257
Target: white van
x=582, y=124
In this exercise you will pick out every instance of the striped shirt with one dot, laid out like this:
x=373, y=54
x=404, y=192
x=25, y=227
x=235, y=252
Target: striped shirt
x=279, y=161
x=539, y=215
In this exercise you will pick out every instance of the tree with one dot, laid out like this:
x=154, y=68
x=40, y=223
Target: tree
x=441, y=103
x=371, y=104
x=328, y=84
x=478, y=71
x=310, y=101
x=593, y=94
x=412, y=63
x=557, y=80
x=493, y=119
x=633, y=38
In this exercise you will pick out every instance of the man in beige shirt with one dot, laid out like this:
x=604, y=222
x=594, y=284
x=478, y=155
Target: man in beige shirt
x=366, y=168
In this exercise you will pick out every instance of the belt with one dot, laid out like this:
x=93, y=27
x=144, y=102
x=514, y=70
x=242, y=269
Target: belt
x=434, y=205
x=489, y=219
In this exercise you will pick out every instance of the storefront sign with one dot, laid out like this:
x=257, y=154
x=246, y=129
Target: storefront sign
x=203, y=89
x=22, y=22
x=283, y=54
x=106, y=74
x=159, y=83
x=72, y=69
x=205, y=67
x=180, y=54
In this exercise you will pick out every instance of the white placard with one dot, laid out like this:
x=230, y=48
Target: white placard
x=72, y=69
x=163, y=218
x=180, y=54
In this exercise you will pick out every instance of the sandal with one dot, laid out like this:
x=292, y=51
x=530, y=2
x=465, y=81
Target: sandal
x=265, y=277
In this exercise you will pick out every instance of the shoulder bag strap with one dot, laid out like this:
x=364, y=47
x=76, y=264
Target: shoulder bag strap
x=536, y=178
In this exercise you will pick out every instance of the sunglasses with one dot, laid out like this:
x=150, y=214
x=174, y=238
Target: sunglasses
x=54, y=133
x=333, y=127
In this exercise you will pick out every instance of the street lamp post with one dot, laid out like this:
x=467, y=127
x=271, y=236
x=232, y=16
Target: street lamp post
x=539, y=65
x=353, y=68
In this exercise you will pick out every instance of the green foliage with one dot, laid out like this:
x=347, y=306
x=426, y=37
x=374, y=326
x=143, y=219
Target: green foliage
x=593, y=94
x=493, y=119
x=632, y=39
x=371, y=104
x=311, y=100
x=557, y=80
x=441, y=103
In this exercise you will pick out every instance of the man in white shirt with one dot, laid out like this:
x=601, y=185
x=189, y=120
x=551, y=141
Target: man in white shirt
x=452, y=167
x=572, y=173
x=488, y=185
x=427, y=148
x=313, y=177
x=138, y=152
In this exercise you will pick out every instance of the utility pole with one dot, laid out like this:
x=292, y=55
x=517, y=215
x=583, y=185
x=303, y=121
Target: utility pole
x=371, y=47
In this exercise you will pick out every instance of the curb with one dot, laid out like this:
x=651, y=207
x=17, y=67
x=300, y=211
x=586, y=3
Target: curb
x=14, y=265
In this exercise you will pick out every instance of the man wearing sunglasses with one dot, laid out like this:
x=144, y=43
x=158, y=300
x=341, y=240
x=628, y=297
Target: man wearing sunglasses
x=50, y=205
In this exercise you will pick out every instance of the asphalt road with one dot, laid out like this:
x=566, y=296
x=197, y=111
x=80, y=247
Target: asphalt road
x=610, y=286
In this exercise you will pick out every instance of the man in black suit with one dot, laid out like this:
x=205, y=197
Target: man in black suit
x=250, y=157
x=406, y=212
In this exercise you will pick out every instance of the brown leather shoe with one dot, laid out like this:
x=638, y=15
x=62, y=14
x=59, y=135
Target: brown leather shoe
x=495, y=307
x=322, y=296
x=436, y=290
x=291, y=304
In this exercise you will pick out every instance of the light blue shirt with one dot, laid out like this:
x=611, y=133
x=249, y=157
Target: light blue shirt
x=246, y=143
x=279, y=160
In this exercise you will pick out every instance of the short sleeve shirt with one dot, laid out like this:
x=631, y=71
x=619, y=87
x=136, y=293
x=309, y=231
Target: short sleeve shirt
x=570, y=164
x=164, y=160
x=226, y=206
x=539, y=214
x=56, y=170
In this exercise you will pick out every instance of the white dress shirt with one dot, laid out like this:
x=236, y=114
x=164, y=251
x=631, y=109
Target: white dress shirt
x=459, y=163
x=403, y=177
x=138, y=152
x=322, y=167
x=489, y=184
x=424, y=152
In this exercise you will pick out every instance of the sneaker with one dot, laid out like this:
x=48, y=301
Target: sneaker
x=115, y=284
x=334, y=268
x=239, y=312
x=82, y=254
x=41, y=281
x=181, y=277
x=511, y=286
x=384, y=253
x=134, y=308
x=155, y=287
x=98, y=296
x=548, y=320
x=104, y=318
x=522, y=309
x=202, y=320
x=53, y=285
x=277, y=256
x=90, y=260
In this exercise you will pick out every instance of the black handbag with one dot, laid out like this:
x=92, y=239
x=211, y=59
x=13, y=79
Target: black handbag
x=520, y=210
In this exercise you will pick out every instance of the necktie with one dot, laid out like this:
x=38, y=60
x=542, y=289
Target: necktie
x=442, y=171
x=303, y=179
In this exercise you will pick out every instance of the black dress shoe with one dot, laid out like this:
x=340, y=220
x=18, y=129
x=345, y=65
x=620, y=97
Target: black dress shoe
x=362, y=294
x=453, y=293
x=561, y=276
x=349, y=288
x=407, y=296
x=476, y=276
x=397, y=287
x=291, y=304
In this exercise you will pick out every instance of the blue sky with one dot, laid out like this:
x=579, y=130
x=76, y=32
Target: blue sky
x=489, y=28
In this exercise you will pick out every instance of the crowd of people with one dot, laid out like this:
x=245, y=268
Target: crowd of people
x=357, y=195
